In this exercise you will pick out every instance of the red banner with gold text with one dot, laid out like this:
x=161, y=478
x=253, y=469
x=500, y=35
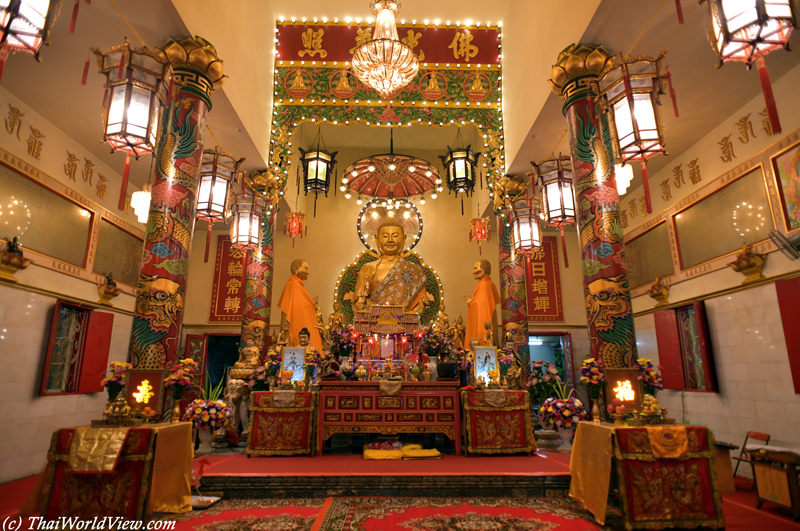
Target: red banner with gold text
x=228, y=289
x=543, y=283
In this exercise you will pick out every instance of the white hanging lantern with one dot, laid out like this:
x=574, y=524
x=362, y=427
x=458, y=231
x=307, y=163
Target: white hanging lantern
x=248, y=211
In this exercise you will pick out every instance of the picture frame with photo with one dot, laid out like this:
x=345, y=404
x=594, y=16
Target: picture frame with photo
x=485, y=360
x=294, y=360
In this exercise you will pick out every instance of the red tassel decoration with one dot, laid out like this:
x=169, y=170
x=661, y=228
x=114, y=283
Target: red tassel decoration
x=680, y=11
x=766, y=88
x=3, y=56
x=74, y=17
x=121, y=65
x=646, y=182
x=672, y=92
x=564, y=248
x=123, y=192
x=208, y=242
x=105, y=99
x=85, y=71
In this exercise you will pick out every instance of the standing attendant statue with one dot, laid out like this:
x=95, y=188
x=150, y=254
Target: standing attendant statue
x=14, y=246
x=297, y=306
x=481, y=306
x=110, y=280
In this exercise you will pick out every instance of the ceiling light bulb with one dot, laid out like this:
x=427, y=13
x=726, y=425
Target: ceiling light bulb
x=344, y=180
x=354, y=173
x=439, y=189
x=434, y=196
x=371, y=168
x=428, y=173
x=392, y=167
x=422, y=200
x=342, y=188
x=347, y=195
x=411, y=168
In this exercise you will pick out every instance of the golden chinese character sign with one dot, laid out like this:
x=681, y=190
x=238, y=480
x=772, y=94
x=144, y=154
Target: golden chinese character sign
x=543, y=283
x=228, y=289
x=145, y=388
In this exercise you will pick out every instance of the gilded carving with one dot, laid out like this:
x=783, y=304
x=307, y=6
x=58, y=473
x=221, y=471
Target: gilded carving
x=429, y=402
x=409, y=417
x=348, y=402
x=368, y=417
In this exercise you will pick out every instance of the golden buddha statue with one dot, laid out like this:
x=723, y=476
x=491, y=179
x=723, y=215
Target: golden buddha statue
x=477, y=86
x=298, y=83
x=335, y=319
x=247, y=362
x=433, y=84
x=390, y=279
x=344, y=83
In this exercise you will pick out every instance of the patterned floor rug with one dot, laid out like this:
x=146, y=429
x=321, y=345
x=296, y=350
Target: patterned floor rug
x=252, y=515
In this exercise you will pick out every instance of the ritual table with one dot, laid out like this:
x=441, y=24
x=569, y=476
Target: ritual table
x=665, y=474
x=360, y=407
x=280, y=423
x=497, y=421
x=776, y=476
x=124, y=472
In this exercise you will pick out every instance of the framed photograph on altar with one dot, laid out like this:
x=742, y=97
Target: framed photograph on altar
x=485, y=361
x=293, y=360
x=145, y=388
x=387, y=347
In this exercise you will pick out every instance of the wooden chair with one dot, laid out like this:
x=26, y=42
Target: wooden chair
x=743, y=457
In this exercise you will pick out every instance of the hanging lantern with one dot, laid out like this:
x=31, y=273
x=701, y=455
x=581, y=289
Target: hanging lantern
x=525, y=230
x=218, y=171
x=623, y=175
x=295, y=225
x=318, y=164
x=480, y=231
x=248, y=210
x=136, y=90
x=629, y=93
x=140, y=201
x=25, y=25
x=459, y=167
x=553, y=176
x=746, y=31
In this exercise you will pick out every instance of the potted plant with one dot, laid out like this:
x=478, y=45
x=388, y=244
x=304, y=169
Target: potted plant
x=436, y=345
x=593, y=378
x=650, y=379
x=181, y=377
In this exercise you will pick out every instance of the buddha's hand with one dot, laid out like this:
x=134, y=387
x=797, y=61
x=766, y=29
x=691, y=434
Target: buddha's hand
x=467, y=299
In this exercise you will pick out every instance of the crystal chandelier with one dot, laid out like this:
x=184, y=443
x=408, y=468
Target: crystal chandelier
x=385, y=63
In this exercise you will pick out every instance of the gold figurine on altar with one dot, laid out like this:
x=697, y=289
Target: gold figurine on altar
x=390, y=280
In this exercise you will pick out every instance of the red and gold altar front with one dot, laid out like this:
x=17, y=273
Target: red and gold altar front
x=281, y=423
x=497, y=421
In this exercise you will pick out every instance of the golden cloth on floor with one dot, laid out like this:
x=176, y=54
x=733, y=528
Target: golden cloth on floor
x=95, y=449
x=590, y=467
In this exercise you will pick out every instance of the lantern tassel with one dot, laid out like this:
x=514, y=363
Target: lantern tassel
x=766, y=88
x=680, y=11
x=123, y=192
x=3, y=56
x=462, y=205
x=564, y=247
x=74, y=17
x=315, y=205
x=672, y=90
x=208, y=242
x=85, y=71
x=480, y=249
x=646, y=182
x=121, y=65
x=105, y=99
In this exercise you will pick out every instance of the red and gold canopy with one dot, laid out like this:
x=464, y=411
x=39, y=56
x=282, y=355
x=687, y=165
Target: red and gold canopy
x=391, y=175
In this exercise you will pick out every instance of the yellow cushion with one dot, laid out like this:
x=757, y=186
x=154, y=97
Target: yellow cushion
x=412, y=447
x=420, y=454
x=382, y=455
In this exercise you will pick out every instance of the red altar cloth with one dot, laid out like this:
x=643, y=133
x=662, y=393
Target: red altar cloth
x=276, y=429
x=498, y=429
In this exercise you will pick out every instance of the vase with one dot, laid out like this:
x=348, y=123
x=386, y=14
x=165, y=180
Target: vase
x=566, y=435
x=177, y=396
x=447, y=369
x=546, y=439
x=595, y=411
x=204, y=435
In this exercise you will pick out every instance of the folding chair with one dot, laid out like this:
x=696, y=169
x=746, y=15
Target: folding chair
x=743, y=457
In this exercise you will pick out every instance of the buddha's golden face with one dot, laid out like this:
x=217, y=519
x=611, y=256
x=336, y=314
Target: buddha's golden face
x=477, y=271
x=391, y=240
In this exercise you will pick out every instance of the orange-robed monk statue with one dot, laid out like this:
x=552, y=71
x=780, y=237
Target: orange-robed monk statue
x=480, y=308
x=297, y=306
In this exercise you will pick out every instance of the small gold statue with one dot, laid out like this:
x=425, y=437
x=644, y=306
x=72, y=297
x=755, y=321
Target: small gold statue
x=117, y=410
x=247, y=362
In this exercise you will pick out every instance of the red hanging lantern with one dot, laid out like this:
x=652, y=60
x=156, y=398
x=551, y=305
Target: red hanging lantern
x=480, y=231
x=295, y=225
x=629, y=93
x=25, y=26
x=746, y=31
x=553, y=176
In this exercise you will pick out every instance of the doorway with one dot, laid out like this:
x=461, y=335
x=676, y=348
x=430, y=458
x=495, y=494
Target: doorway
x=223, y=352
x=554, y=348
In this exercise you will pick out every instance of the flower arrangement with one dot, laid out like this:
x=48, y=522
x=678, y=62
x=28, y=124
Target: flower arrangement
x=562, y=413
x=505, y=358
x=592, y=377
x=650, y=379
x=181, y=377
x=211, y=414
x=435, y=344
x=465, y=359
x=115, y=378
x=494, y=375
x=272, y=362
x=541, y=381
x=343, y=342
x=258, y=379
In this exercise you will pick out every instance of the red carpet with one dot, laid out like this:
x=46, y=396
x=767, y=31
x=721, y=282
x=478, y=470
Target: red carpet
x=255, y=515
x=349, y=465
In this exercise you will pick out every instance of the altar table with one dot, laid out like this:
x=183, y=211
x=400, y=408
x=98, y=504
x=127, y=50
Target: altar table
x=152, y=473
x=278, y=428
x=666, y=475
x=359, y=407
x=497, y=421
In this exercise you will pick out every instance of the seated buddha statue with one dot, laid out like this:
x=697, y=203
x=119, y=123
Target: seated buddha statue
x=477, y=86
x=248, y=361
x=298, y=83
x=433, y=85
x=344, y=83
x=390, y=279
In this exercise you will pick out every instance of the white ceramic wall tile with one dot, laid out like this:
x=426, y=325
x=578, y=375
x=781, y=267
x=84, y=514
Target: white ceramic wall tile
x=756, y=388
x=25, y=320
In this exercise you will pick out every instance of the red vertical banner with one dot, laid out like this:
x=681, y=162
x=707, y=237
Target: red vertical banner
x=228, y=289
x=543, y=283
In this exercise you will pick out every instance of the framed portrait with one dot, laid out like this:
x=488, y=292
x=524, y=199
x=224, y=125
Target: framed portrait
x=293, y=360
x=143, y=388
x=387, y=348
x=485, y=361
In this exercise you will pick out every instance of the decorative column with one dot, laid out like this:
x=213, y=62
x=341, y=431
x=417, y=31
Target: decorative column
x=158, y=315
x=514, y=306
x=605, y=273
x=257, y=301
